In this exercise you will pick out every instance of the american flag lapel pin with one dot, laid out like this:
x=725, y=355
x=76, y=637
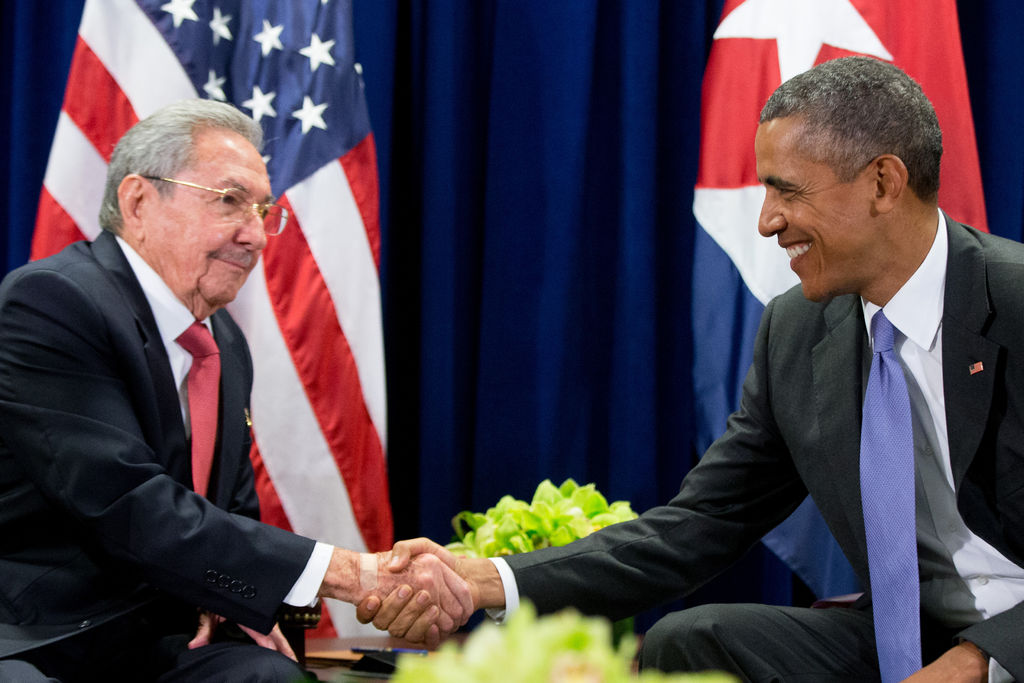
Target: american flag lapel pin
x=975, y=368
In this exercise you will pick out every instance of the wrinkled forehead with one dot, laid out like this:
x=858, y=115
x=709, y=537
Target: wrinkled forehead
x=225, y=157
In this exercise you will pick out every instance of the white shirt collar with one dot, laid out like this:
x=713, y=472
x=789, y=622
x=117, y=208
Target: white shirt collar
x=171, y=315
x=916, y=309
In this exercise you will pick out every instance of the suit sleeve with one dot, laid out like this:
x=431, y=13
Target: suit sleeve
x=991, y=494
x=74, y=394
x=744, y=485
x=1000, y=637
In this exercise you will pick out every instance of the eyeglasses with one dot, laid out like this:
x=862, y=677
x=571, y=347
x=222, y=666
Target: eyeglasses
x=236, y=205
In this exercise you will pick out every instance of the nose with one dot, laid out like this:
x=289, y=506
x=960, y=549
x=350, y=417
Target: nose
x=251, y=230
x=771, y=221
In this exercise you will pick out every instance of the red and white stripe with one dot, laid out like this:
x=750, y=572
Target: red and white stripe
x=311, y=313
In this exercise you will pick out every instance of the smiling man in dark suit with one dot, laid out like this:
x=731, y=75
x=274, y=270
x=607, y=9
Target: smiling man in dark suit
x=124, y=544
x=849, y=156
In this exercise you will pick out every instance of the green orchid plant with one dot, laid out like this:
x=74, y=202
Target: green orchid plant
x=557, y=515
x=559, y=648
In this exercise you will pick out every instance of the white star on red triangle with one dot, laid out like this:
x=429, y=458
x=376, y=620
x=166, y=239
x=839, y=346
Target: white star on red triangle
x=800, y=28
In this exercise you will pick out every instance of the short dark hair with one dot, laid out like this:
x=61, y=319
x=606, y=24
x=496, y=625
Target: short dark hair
x=858, y=108
x=163, y=143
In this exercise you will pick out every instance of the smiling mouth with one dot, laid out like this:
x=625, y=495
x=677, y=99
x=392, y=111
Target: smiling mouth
x=797, y=250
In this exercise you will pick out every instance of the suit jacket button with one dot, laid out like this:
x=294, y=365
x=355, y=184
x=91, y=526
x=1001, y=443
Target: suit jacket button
x=237, y=586
x=210, y=576
x=249, y=592
x=224, y=581
x=85, y=624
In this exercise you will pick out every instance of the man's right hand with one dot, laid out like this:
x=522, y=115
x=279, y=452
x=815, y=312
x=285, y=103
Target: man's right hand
x=407, y=616
x=419, y=573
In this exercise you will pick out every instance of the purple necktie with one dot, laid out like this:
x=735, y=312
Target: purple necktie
x=887, y=497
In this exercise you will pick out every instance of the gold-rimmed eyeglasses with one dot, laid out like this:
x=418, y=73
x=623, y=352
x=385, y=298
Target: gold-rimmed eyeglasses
x=236, y=205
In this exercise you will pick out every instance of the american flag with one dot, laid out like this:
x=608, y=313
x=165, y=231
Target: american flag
x=312, y=312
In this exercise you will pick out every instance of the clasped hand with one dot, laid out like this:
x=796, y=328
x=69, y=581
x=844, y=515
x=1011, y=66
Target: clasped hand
x=422, y=576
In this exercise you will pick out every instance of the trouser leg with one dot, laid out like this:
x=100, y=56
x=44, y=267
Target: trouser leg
x=765, y=643
x=18, y=671
x=234, y=663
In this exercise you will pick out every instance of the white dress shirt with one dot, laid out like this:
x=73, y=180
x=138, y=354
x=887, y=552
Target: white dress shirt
x=172, y=318
x=963, y=578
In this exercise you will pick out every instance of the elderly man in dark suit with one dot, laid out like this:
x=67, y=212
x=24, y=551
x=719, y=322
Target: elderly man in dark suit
x=901, y=310
x=125, y=542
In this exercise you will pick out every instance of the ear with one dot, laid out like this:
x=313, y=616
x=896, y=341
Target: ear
x=889, y=177
x=134, y=195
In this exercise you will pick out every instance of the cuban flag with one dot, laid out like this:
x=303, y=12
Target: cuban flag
x=759, y=44
x=312, y=311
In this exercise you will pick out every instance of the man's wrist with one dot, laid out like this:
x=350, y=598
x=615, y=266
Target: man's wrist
x=485, y=583
x=977, y=657
x=341, y=581
x=974, y=648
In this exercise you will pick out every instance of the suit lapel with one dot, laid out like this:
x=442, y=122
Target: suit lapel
x=169, y=431
x=838, y=394
x=966, y=313
x=232, y=419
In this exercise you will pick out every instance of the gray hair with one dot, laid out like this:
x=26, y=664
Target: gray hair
x=857, y=108
x=163, y=144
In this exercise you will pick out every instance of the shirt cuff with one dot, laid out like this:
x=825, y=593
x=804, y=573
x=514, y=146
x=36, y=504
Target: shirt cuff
x=304, y=592
x=508, y=583
x=997, y=674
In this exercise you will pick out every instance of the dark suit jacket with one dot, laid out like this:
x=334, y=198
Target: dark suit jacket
x=797, y=431
x=97, y=514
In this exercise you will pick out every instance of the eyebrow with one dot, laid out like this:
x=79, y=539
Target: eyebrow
x=778, y=183
x=231, y=182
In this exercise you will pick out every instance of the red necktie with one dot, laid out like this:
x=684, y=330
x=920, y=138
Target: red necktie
x=203, y=391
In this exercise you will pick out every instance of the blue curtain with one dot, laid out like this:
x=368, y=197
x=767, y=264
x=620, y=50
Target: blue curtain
x=537, y=194
x=537, y=161
x=36, y=43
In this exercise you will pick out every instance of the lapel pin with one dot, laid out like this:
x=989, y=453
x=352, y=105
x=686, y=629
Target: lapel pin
x=248, y=418
x=975, y=368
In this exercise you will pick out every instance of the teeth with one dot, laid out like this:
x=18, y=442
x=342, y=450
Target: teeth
x=797, y=249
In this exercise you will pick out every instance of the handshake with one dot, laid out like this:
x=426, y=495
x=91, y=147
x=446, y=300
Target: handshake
x=418, y=590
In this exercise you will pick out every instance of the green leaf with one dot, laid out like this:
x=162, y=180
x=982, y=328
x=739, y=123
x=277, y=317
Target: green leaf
x=545, y=516
x=590, y=500
x=484, y=540
x=567, y=487
x=562, y=536
x=604, y=519
x=504, y=506
x=466, y=521
x=533, y=523
x=581, y=527
x=506, y=528
x=519, y=543
x=546, y=493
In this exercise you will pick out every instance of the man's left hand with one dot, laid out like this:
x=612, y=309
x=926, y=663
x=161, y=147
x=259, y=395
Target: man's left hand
x=275, y=640
x=962, y=663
